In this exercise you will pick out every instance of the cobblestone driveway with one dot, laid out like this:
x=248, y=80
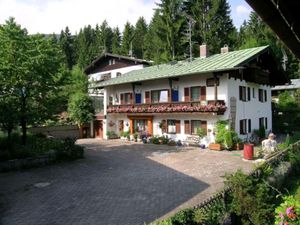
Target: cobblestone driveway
x=118, y=183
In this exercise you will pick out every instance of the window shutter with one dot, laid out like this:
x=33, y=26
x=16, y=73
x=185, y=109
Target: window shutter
x=122, y=99
x=241, y=92
x=169, y=95
x=204, y=126
x=178, y=127
x=249, y=126
x=241, y=127
x=147, y=97
x=266, y=123
x=187, y=129
x=131, y=98
x=249, y=94
x=265, y=91
x=187, y=94
x=203, y=93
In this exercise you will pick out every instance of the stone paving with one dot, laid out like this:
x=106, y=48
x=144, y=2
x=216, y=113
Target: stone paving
x=117, y=183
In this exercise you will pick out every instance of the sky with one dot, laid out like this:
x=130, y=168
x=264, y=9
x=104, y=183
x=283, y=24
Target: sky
x=51, y=16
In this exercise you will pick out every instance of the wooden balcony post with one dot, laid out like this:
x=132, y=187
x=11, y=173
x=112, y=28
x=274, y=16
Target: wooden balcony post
x=131, y=126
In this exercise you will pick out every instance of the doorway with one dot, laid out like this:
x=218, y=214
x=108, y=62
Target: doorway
x=98, y=129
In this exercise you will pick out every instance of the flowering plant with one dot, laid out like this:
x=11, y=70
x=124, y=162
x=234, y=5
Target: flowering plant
x=288, y=212
x=166, y=108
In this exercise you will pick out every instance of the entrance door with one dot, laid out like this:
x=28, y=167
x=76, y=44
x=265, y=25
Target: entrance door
x=99, y=128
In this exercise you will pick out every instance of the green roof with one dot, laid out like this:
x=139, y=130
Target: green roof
x=219, y=62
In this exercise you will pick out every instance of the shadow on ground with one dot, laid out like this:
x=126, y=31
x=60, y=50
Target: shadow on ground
x=113, y=185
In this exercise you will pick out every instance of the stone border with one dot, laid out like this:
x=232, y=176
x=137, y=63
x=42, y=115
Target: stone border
x=17, y=164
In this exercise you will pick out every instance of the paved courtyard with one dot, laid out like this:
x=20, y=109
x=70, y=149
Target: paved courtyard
x=117, y=183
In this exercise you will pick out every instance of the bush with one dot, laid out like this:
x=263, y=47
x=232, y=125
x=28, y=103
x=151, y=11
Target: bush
x=288, y=212
x=68, y=150
x=37, y=146
x=154, y=140
x=164, y=139
x=184, y=217
x=111, y=134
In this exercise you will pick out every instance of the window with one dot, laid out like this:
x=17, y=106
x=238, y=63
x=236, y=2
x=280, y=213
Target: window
x=253, y=92
x=138, y=98
x=263, y=122
x=159, y=96
x=173, y=127
x=112, y=62
x=195, y=93
x=243, y=126
x=195, y=124
x=119, y=74
x=140, y=125
x=242, y=91
x=126, y=98
x=261, y=95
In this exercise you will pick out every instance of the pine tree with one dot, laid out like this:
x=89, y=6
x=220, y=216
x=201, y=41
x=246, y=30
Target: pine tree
x=172, y=24
x=87, y=47
x=138, y=42
x=127, y=37
x=116, y=41
x=66, y=43
x=155, y=44
x=104, y=38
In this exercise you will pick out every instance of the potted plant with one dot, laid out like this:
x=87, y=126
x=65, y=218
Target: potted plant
x=221, y=129
x=201, y=133
x=135, y=136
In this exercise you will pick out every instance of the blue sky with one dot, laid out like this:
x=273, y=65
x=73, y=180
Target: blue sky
x=51, y=16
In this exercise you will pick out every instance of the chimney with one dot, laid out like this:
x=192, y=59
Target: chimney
x=203, y=51
x=225, y=49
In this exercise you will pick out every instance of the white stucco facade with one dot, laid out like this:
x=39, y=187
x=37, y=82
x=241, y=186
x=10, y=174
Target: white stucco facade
x=228, y=88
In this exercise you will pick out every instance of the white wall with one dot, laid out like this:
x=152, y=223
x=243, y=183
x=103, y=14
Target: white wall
x=96, y=76
x=253, y=109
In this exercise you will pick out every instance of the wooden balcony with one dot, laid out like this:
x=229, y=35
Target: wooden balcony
x=174, y=107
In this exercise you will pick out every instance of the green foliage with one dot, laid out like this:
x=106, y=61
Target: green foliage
x=135, y=135
x=116, y=41
x=224, y=136
x=164, y=139
x=31, y=72
x=201, y=132
x=154, y=140
x=80, y=108
x=261, y=132
x=252, y=199
x=294, y=159
x=140, y=33
x=66, y=42
x=184, y=217
x=287, y=102
x=38, y=145
x=288, y=212
x=125, y=134
x=127, y=38
x=111, y=134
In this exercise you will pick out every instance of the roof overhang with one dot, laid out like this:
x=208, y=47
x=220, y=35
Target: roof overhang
x=283, y=18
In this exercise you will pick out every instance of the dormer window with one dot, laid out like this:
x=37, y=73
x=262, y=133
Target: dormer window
x=119, y=74
x=112, y=62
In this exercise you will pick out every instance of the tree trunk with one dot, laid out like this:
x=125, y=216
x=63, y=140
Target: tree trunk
x=24, y=130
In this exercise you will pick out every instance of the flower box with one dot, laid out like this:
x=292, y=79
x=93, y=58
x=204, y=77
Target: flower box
x=216, y=147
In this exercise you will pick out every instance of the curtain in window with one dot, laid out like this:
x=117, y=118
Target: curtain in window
x=195, y=93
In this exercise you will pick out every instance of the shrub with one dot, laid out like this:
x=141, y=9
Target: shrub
x=154, y=140
x=184, y=217
x=164, y=139
x=111, y=134
x=251, y=198
x=288, y=212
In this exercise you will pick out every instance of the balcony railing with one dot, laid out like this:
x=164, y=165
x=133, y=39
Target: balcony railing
x=179, y=107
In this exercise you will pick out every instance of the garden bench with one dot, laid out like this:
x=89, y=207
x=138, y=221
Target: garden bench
x=191, y=140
